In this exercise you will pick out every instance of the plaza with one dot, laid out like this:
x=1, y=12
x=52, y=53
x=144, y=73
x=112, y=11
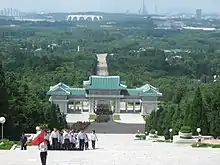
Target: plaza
x=119, y=150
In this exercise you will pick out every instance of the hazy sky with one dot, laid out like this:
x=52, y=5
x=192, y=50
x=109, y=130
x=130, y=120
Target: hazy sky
x=111, y=5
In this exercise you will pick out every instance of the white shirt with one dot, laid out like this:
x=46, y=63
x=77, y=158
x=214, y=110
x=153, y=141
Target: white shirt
x=54, y=134
x=94, y=137
x=42, y=147
x=86, y=138
x=81, y=136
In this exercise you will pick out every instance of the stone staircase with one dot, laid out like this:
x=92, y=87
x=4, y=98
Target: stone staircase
x=112, y=127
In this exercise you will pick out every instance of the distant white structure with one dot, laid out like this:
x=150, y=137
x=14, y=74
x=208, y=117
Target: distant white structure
x=84, y=17
x=78, y=48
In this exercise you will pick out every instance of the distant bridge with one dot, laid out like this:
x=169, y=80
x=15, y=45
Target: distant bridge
x=84, y=17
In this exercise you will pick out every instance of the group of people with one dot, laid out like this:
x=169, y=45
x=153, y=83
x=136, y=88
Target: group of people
x=70, y=140
x=60, y=140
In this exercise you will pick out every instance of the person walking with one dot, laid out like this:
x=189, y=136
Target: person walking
x=93, y=139
x=24, y=141
x=43, y=150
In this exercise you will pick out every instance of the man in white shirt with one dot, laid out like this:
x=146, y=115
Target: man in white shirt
x=54, y=138
x=81, y=137
x=66, y=140
x=93, y=139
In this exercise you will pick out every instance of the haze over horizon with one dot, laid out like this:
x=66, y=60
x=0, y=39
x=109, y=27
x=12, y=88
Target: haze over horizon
x=208, y=6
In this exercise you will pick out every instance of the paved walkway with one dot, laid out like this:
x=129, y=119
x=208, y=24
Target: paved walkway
x=131, y=119
x=119, y=150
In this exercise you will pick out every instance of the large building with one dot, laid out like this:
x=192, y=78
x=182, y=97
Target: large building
x=105, y=90
x=198, y=14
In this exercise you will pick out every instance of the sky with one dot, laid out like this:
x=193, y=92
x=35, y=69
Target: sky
x=208, y=6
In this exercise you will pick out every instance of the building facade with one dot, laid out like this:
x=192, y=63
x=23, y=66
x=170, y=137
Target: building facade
x=105, y=90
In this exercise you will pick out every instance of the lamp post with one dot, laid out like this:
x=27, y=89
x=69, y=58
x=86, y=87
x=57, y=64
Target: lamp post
x=171, y=130
x=199, y=135
x=2, y=121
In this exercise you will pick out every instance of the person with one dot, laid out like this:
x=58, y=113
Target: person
x=54, y=139
x=72, y=141
x=86, y=141
x=43, y=151
x=66, y=140
x=24, y=141
x=81, y=138
x=93, y=139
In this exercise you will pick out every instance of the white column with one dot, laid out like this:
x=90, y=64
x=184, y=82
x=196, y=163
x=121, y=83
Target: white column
x=134, y=106
x=82, y=106
x=126, y=106
x=117, y=106
x=91, y=106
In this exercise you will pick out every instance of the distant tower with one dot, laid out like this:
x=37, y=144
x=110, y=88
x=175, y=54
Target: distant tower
x=155, y=9
x=198, y=14
x=78, y=49
x=143, y=8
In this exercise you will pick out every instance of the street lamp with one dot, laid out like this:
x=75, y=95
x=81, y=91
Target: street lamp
x=171, y=130
x=2, y=121
x=199, y=135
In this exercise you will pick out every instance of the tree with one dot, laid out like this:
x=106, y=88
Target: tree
x=198, y=115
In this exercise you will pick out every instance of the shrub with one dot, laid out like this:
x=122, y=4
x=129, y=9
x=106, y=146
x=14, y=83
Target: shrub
x=141, y=137
x=185, y=129
x=205, y=145
x=92, y=116
x=116, y=117
x=6, y=145
x=80, y=125
x=153, y=131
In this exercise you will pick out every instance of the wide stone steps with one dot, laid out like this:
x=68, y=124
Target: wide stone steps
x=115, y=128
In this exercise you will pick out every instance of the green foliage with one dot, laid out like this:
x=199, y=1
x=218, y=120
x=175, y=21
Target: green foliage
x=185, y=129
x=205, y=145
x=6, y=145
x=116, y=117
x=140, y=137
x=92, y=116
x=152, y=131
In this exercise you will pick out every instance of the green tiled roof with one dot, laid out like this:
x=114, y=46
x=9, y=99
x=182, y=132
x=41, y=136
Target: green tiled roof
x=77, y=91
x=58, y=92
x=104, y=82
x=134, y=92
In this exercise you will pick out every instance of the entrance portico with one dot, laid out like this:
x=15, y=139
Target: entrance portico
x=104, y=90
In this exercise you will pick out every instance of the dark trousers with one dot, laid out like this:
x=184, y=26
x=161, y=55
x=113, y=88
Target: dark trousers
x=93, y=144
x=72, y=146
x=81, y=144
x=23, y=146
x=86, y=145
x=55, y=144
x=43, y=157
x=66, y=144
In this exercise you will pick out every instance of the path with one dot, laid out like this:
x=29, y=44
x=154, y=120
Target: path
x=102, y=68
x=119, y=150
